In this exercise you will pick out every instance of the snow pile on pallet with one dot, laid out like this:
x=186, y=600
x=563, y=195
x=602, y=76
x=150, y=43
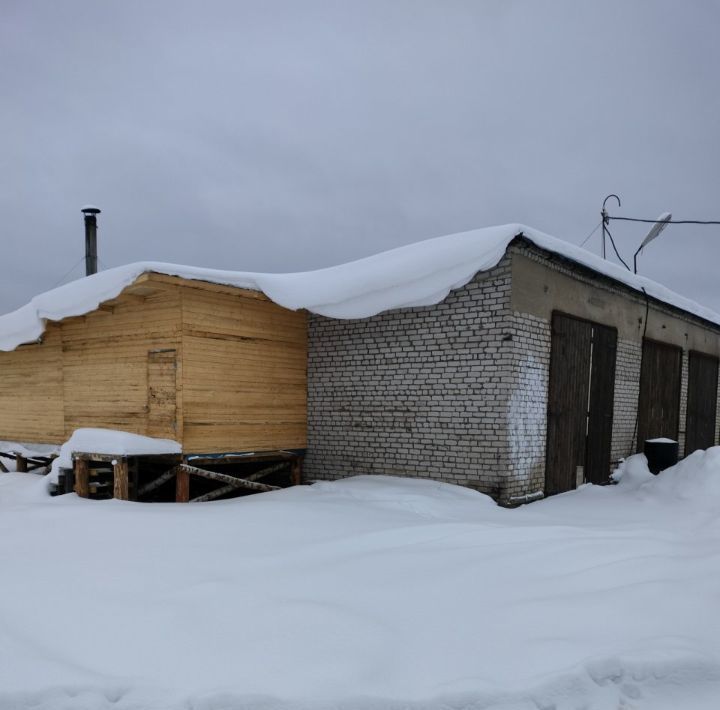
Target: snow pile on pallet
x=370, y=593
x=113, y=442
x=415, y=275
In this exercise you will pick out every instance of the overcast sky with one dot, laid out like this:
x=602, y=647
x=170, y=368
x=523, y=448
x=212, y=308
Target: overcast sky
x=283, y=136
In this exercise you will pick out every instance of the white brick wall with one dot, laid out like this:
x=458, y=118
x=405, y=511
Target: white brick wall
x=527, y=409
x=627, y=389
x=416, y=392
x=683, y=401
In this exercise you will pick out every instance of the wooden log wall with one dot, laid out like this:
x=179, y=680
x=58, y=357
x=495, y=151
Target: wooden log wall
x=105, y=361
x=31, y=391
x=244, y=373
x=213, y=367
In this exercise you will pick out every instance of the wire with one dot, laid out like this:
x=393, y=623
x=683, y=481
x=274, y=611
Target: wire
x=669, y=221
x=584, y=241
x=68, y=272
x=617, y=253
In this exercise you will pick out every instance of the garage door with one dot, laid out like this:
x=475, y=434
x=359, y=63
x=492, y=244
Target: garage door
x=580, y=403
x=659, y=401
x=701, y=402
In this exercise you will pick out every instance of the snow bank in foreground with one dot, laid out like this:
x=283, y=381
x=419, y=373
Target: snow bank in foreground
x=695, y=479
x=370, y=593
x=415, y=275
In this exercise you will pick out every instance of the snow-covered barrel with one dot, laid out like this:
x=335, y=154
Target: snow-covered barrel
x=660, y=453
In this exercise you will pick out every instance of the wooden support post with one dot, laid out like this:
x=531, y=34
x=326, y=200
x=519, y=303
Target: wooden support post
x=120, y=479
x=20, y=464
x=82, y=479
x=182, y=485
x=296, y=472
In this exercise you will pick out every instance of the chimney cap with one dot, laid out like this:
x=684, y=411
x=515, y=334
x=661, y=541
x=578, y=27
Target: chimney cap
x=90, y=209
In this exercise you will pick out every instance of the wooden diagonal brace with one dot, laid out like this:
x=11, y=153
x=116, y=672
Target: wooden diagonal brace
x=265, y=472
x=157, y=482
x=217, y=493
x=227, y=480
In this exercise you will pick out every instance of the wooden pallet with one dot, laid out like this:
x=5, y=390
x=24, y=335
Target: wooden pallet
x=126, y=481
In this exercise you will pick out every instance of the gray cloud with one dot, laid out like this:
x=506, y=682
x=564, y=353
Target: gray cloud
x=293, y=135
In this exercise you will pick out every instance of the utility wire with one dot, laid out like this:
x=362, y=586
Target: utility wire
x=68, y=272
x=670, y=221
x=584, y=241
x=617, y=253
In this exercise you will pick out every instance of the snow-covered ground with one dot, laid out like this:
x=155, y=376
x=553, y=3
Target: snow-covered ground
x=368, y=593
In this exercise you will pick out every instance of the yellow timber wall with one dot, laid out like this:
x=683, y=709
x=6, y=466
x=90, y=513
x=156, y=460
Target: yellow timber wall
x=216, y=368
x=244, y=377
x=31, y=391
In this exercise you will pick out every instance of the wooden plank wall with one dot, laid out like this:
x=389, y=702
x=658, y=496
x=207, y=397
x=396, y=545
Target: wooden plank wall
x=244, y=377
x=105, y=360
x=238, y=364
x=31, y=391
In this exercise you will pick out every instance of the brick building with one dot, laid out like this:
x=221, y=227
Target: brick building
x=535, y=376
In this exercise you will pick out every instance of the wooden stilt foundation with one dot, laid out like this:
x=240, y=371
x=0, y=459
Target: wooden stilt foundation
x=82, y=478
x=124, y=481
x=120, y=479
x=296, y=471
x=182, y=485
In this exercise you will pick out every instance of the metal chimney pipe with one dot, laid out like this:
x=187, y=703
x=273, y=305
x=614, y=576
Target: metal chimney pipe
x=90, y=213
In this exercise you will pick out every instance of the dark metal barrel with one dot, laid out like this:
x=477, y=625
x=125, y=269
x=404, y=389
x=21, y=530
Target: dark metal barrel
x=660, y=454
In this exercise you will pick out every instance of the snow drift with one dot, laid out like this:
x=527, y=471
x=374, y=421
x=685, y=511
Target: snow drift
x=416, y=275
x=370, y=593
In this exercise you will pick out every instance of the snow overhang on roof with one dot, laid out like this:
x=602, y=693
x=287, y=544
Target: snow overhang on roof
x=419, y=274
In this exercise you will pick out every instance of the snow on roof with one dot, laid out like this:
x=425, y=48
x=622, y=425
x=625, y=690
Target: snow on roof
x=419, y=274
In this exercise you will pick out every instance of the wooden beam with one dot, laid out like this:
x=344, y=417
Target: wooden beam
x=3, y=467
x=82, y=479
x=265, y=472
x=106, y=458
x=155, y=277
x=243, y=458
x=41, y=460
x=296, y=471
x=157, y=482
x=20, y=464
x=120, y=479
x=217, y=493
x=228, y=480
x=182, y=484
